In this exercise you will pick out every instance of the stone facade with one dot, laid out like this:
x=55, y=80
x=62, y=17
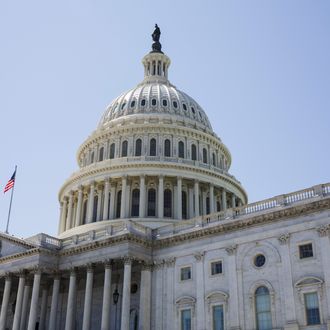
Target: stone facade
x=155, y=233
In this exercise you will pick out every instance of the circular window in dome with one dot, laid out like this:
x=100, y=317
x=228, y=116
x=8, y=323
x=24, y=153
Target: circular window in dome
x=134, y=288
x=164, y=103
x=133, y=104
x=193, y=110
x=259, y=260
x=143, y=102
x=175, y=104
x=184, y=106
x=123, y=106
x=153, y=102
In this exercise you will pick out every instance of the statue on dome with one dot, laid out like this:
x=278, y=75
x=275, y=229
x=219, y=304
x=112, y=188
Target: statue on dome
x=156, y=46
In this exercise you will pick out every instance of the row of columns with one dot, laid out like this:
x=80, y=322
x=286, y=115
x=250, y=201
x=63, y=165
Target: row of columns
x=71, y=211
x=21, y=322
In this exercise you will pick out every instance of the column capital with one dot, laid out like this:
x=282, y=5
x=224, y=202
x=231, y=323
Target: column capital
x=231, y=250
x=179, y=177
x=196, y=181
x=80, y=188
x=157, y=264
x=323, y=230
x=107, y=180
x=170, y=262
x=108, y=263
x=199, y=256
x=284, y=238
x=92, y=183
x=37, y=270
x=8, y=276
x=21, y=272
x=70, y=193
x=147, y=265
x=142, y=176
x=127, y=260
x=90, y=267
x=161, y=176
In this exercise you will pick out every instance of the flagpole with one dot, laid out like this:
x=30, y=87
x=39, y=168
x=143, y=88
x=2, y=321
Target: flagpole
x=11, y=200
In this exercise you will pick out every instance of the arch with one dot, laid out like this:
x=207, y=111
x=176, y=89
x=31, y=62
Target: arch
x=112, y=150
x=153, y=147
x=217, y=296
x=138, y=147
x=263, y=313
x=135, y=203
x=124, y=147
x=204, y=156
x=184, y=205
x=101, y=154
x=151, y=202
x=167, y=203
x=309, y=281
x=167, y=148
x=181, y=149
x=193, y=152
x=118, y=205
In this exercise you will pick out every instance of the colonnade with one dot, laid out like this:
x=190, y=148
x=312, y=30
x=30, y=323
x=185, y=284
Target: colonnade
x=26, y=311
x=114, y=198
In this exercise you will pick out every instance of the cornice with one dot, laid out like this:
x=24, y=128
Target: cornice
x=16, y=240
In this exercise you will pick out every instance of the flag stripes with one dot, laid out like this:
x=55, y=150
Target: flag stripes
x=10, y=183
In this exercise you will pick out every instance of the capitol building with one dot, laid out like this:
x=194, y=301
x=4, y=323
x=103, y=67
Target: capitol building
x=156, y=233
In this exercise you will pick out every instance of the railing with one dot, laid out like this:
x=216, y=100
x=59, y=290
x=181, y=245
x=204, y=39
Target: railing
x=45, y=240
x=249, y=209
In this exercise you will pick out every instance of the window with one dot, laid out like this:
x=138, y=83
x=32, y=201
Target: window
x=92, y=157
x=151, y=202
x=124, y=149
x=112, y=150
x=135, y=202
x=153, y=147
x=165, y=103
x=213, y=159
x=207, y=205
x=216, y=267
x=184, y=205
x=217, y=317
x=181, y=149
x=118, y=204
x=84, y=217
x=153, y=102
x=143, y=102
x=133, y=104
x=193, y=110
x=167, y=203
x=312, y=308
x=263, y=311
x=95, y=208
x=185, y=273
x=138, y=147
x=167, y=148
x=101, y=153
x=306, y=251
x=186, y=319
x=175, y=104
x=218, y=206
x=193, y=152
x=184, y=106
x=259, y=260
x=123, y=106
x=204, y=156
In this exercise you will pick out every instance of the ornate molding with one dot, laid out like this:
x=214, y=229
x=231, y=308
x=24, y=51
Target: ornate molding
x=146, y=265
x=231, y=250
x=323, y=230
x=170, y=262
x=284, y=238
x=199, y=256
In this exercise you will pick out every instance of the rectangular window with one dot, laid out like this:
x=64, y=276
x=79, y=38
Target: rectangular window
x=312, y=308
x=306, y=251
x=186, y=319
x=217, y=315
x=216, y=267
x=185, y=273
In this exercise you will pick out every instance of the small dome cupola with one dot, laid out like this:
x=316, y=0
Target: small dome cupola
x=156, y=63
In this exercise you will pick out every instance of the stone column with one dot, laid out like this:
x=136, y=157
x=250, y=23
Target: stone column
x=26, y=296
x=112, y=202
x=5, y=301
x=212, y=210
x=19, y=301
x=204, y=203
x=88, y=298
x=123, y=197
x=179, y=206
x=43, y=312
x=125, y=310
x=64, y=206
x=191, y=203
x=105, y=322
x=161, y=197
x=54, y=304
x=169, y=295
x=34, y=300
x=79, y=206
x=145, y=297
x=68, y=224
x=224, y=200
x=200, y=302
x=233, y=289
x=196, y=191
x=70, y=309
x=90, y=209
x=106, y=199
x=142, y=209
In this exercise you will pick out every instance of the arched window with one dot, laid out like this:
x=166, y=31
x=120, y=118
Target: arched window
x=167, y=203
x=138, y=147
x=135, y=202
x=124, y=149
x=184, y=205
x=101, y=152
x=213, y=159
x=193, y=152
x=204, y=156
x=95, y=208
x=112, y=150
x=118, y=204
x=167, y=148
x=92, y=157
x=153, y=147
x=84, y=217
x=263, y=311
x=151, y=202
x=109, y=201
x=181, y=149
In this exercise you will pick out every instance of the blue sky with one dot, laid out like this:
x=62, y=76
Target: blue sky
x=260, y=69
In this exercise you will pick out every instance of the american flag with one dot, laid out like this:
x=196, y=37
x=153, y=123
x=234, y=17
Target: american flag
x=10, y=183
